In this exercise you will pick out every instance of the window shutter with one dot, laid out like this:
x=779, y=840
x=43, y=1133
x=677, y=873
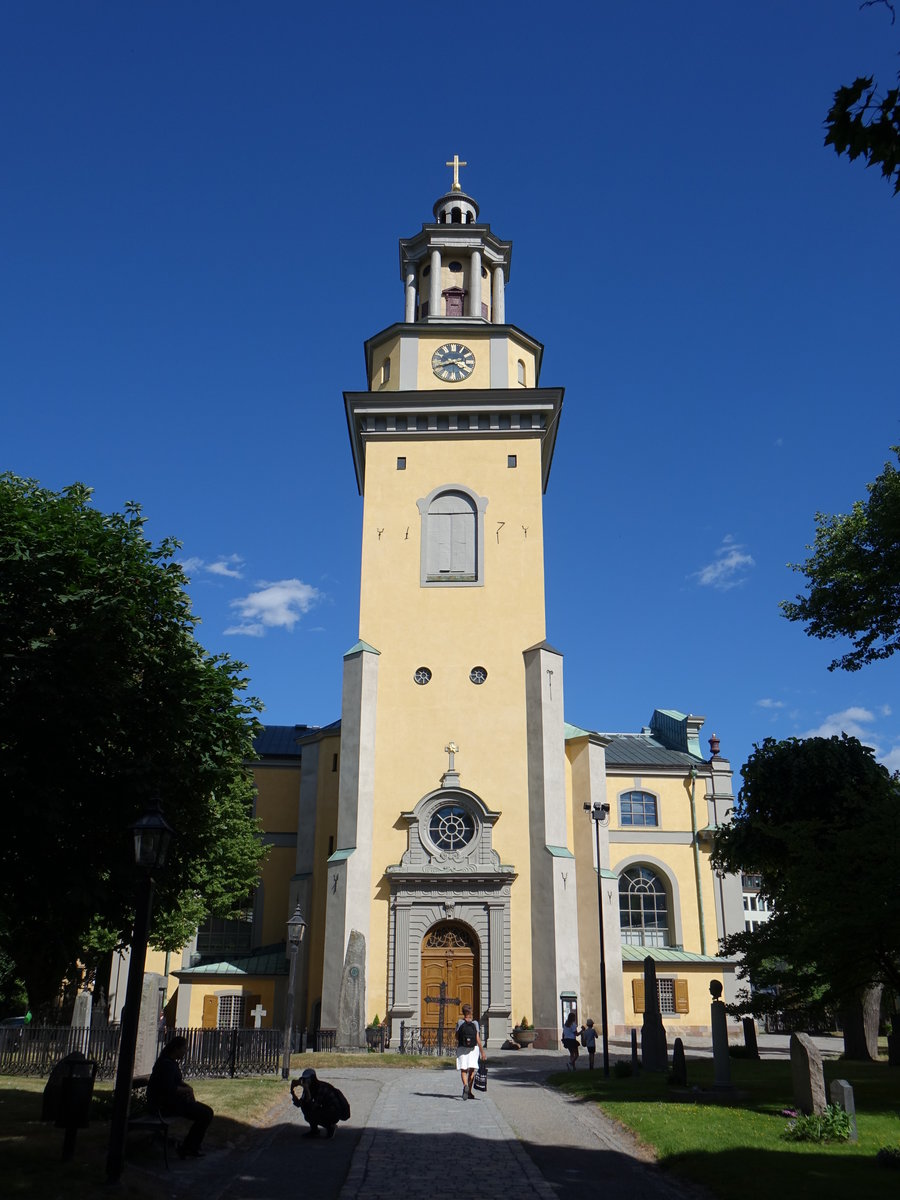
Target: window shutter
x=681, y=996
x=210, y=1017
x=637, y=994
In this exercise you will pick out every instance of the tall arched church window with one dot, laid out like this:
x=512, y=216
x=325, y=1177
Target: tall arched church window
x=643, y=908
x=452, y=536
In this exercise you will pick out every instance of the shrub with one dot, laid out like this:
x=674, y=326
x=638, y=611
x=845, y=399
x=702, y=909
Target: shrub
x=888, y=1156
x=622, y=1070
x=524, y=1024
x=831, y=1126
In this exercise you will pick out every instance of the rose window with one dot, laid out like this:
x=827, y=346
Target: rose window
x=451, y=827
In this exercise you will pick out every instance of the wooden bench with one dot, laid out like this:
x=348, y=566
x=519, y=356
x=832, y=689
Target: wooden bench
x=152, y=1120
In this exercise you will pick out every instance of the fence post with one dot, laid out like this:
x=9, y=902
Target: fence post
x=402, y=1035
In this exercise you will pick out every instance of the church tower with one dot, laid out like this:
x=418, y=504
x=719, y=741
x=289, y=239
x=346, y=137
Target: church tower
x=451, y=854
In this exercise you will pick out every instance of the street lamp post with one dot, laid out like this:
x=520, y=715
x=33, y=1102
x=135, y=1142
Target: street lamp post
x=296, y=927
x=600, y=816
x=152, y=835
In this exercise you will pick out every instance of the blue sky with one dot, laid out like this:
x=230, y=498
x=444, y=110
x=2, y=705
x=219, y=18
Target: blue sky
x=199, y=219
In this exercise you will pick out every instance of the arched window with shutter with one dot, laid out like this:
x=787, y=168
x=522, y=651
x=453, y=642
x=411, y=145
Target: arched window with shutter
x=452, y=537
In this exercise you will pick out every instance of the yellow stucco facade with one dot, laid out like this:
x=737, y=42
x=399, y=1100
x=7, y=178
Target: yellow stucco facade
x=452, y=828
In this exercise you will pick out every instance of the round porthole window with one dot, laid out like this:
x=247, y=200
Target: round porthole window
x=455, y=267
x=422, y=675
x=478, y=674
x=451, y=827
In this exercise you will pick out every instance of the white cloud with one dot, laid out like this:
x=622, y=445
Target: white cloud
x=274, y=606
x=892, y=759
x=885, y=710
x=849, y=720
x=725, y=571
x=767, y=703
x=228, y=565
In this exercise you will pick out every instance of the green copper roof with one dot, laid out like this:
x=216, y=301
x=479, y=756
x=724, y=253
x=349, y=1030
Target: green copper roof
x=269, y=960
x=560, y=852
x=360, y=647
x=574, y=731
x=666, y=954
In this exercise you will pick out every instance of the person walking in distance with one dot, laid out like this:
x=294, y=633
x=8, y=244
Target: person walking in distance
x=172, y=1097
x=468, y=1050
x=589, y=1041
x=570, y=1039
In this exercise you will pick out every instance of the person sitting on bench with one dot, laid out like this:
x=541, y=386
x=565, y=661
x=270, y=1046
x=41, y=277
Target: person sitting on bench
x=172, y=1097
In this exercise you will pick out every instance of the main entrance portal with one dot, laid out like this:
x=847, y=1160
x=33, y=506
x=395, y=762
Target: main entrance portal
x=449, y=957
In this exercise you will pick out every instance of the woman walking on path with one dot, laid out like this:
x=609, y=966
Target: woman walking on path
x=468, y=1050
x=570, y=1039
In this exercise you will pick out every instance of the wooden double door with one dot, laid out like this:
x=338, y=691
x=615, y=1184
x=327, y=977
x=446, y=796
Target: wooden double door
x=449, y=957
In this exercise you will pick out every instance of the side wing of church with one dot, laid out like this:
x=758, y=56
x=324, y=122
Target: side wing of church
x=469, y=838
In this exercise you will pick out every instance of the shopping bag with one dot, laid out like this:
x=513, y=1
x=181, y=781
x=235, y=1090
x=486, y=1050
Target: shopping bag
x=481, y=1076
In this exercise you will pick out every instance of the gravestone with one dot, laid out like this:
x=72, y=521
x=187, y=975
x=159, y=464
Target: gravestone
x=750, y=1037
x=52, y=1098
x=257, y=1014
x=893, y=1042
x=81, y=1021
x=635, y=1061
x=679, y=1065
x=351, y=1030
x=842, y=1096
x=718, y=1019
x=654, y=1051
x=145, y=1049
x=807, y=1075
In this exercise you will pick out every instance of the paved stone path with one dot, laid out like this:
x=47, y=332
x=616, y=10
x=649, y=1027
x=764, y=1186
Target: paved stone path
x=413, y=1137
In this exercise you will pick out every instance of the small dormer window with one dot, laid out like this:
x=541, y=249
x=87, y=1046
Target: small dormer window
x=385, y=370
x=521, y=372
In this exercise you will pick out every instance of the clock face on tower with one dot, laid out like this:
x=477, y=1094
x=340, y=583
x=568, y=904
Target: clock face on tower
x=453, y=362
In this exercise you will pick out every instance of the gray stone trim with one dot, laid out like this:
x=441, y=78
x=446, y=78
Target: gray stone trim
x=554, y=907
x=671, y=883
x=424, y=505
x=348, y=896
x=652, y=837
x=499, y=362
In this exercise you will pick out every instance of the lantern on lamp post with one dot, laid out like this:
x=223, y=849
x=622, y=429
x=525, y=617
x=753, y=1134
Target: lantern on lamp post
x=296, y=927
x=152, y=836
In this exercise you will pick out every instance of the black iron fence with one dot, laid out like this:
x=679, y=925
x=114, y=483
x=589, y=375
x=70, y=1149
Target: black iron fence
x=416, y=1039
x=34, y=1050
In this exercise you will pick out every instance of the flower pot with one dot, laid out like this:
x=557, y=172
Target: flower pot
x=524, y=1037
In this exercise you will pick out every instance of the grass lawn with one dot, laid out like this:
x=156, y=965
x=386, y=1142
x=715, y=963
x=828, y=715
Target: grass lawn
x=737, y=1151
x=30, y=1151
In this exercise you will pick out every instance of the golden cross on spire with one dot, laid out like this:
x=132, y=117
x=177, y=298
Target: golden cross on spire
x=455, y=163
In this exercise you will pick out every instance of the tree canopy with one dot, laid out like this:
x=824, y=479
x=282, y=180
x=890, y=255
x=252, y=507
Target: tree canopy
x=106, y=700
x=853, y=576
x=819, y=820
x=863, y=124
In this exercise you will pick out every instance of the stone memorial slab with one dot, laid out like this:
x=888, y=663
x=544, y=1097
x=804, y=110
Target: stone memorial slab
x=750, y=1037
x=718, y=1020
x=654, y=1050
x=351, y=1030
x=842, y=1097
x=81, y=1021
x=807, y=1075
x=679, y=1065
x=145, y=1051
x=635, y=1060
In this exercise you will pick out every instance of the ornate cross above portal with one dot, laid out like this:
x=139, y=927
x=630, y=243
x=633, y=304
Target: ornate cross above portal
x=456, y=163
x=451, y=748
x=257, y=1014
x=442, y=1000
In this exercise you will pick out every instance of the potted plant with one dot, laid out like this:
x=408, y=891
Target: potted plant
x=374, y=1034
x=523, y=1033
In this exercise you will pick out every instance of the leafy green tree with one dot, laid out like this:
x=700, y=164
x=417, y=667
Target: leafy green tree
x=863, y=124
x=106, y=700
x=853, y=576
x=819, y=820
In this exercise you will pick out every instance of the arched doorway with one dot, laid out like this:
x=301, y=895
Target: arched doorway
x=449, y=957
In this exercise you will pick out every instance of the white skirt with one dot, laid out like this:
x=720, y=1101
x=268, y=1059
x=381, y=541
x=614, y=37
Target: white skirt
x=467, y=1059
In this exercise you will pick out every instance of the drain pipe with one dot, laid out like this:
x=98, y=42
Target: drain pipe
x=696, y=844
